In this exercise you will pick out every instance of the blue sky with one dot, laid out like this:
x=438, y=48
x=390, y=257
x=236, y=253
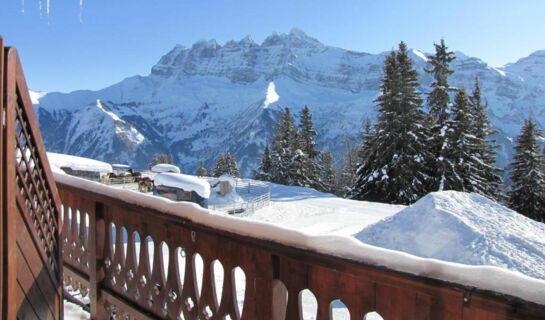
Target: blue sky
x=122, y=38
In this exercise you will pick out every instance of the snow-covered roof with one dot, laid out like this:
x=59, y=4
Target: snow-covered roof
x=165, y=167
x=183, y=181
x=78, y=163
x=482, y=277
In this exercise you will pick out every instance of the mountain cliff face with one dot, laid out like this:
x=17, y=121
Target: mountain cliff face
x=207, y=99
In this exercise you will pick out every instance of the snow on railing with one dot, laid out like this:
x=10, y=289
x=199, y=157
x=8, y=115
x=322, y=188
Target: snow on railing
x=278, y=265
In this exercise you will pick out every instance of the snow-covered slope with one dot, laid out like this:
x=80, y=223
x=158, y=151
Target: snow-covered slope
x=317, y=213
x=465, y=228
x=209, y=98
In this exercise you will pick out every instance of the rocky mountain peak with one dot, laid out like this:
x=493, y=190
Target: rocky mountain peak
x=296, y=38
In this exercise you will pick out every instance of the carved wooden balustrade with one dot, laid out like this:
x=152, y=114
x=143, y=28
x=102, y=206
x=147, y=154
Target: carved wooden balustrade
x=121, y=279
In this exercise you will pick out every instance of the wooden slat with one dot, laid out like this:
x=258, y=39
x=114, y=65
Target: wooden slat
x=32, y=259
x=11, y=212
x=26, y=312
x=2, y=170
x=40, y=301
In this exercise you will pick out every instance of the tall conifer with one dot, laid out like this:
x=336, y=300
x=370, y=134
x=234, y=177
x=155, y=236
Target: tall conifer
x=486, y=149
x=439, y=109
x=264, y=170
x=219, y=169
x=201, y=171
x=231, y=166
x=284, y=145
x=527, y=194
x=394, y=157
x=329, y=172
x=311, y=165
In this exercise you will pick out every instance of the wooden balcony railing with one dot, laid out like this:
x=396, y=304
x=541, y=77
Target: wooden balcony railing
x=121, y=280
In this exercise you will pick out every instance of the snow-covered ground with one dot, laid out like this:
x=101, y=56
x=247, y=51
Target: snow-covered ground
x=449, y=225
x=317, y=213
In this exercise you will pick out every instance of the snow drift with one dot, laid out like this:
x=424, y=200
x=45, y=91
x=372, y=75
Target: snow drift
x=464, y=228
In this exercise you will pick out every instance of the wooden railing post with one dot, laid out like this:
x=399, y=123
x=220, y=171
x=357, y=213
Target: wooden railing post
x=97, y=229
x=2, y=168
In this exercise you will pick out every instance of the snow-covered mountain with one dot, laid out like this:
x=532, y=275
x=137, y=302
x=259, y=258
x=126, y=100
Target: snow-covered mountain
x=207, y=99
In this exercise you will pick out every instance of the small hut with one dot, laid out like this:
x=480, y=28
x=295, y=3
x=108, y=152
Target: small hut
x=182, y=187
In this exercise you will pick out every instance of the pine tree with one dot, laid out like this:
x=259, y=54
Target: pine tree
x=201, y=171
x=264, y=170
x=438, y=98
x=329, y=172
x=307, y=133
x=154, y=161
x=209, y=172
x=163, y=158
x=395, y=156
x=231, y=167
x=527, y=194
x=170, y=159
x=284, y=145
x=219, y=169
x=463, y=170
x=439, y=108
x=486, y=146
x=297, y=172
x=348, y=168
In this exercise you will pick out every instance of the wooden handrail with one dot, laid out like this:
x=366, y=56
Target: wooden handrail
x=125, y=283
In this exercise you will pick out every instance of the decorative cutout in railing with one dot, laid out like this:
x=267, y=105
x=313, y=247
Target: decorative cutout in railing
x=145, y=263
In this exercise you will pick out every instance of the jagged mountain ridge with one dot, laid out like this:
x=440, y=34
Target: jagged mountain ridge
x=207, y=99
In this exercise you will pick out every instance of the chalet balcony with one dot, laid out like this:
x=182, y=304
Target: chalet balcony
x=134, y=256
